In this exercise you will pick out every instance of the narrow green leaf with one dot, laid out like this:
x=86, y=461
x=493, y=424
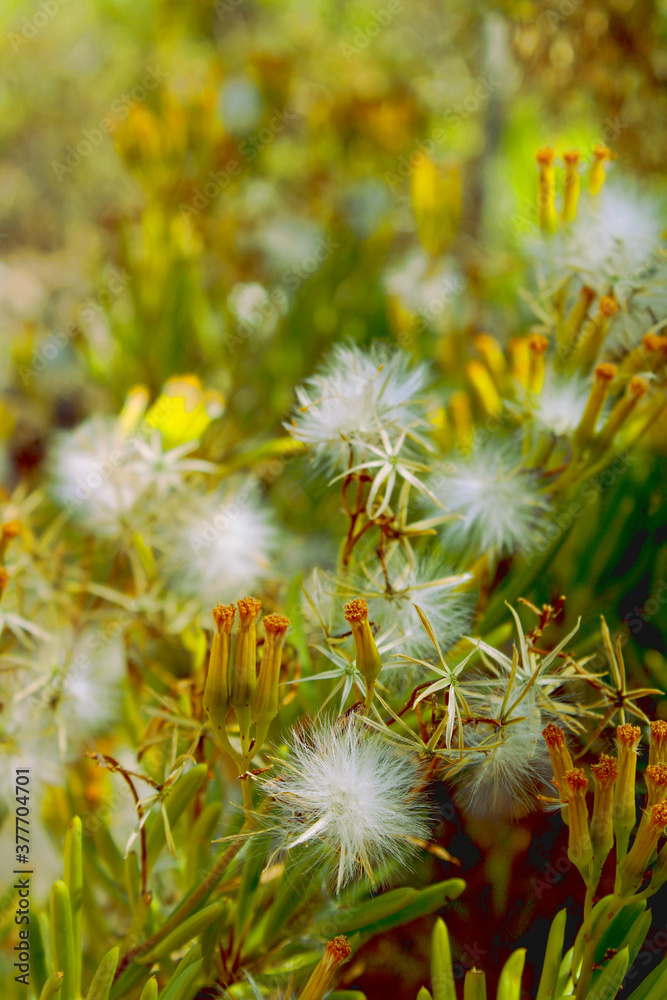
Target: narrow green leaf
x=74, y=881
x=424, y=994
x=39, y=961
x=564, y=973
x=178, y=799
x=615, y=934
x=654, y=986
x=254, y=862
x=149, y=991
x=607, y=982
x=181, y=984
x=354, y=918
x=107, y=849
x=474, y=985
x=637, y=935
x=600, y=911
x=62, y=938
x=103, y=979
x=552, y=957
x=428, y=901
x=126, y=982
x=188, y=930
x=442, y=970
x=509, y=983
x=199, y=847
x=52, y=986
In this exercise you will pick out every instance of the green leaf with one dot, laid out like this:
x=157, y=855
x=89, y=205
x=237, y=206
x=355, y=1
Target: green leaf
x=509, y=983
x=74, y=882
x=607, y=982
x=428, y=901
x=564, y=972
x=107, y=849
x=39, y=963
x=188, y=930
x=354, y=918
x=254, y=862
x=600, y=911
x=103, y=978
x=637, y=935
x=442, y=970
x=180, y=986
x=294, y=612
x=199, y=847
x=149, y=991
x=178, y=799
x=424, y=994
x=552, y=957
x=654, y=986
x=52, y=986
x=62, y=938
x=614, y=936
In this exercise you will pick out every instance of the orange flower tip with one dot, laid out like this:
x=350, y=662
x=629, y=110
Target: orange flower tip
x=605, y=771
x=638, y=386
x=249, y=608
x=11, y=529
x=628, y=735
x=571, y=157
x=223, y=616
x=338, y=950
x=546, y=156
x=554, y=736
x=538, y=343
x=356, y=611
x=602, y=152
x=576, y=780
x=659, y=815
x=658, y=731
x=4, y=579
x=656, y=775
x=606, y=371
x=276, y=625
x=608, y=305
x=654, y=342
x=588, y=293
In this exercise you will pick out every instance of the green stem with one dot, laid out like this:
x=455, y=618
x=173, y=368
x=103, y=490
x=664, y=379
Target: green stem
x=588, y=959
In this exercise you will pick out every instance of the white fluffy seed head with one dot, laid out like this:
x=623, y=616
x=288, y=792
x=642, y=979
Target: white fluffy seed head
x=506, y=779
x=217, y=546
x=351, y=795
x=354, y=396
x=498, y=501
x=560, y=404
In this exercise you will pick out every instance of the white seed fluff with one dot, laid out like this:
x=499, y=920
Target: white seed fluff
x=351, y=794
x=354, y=396
x=499, y=502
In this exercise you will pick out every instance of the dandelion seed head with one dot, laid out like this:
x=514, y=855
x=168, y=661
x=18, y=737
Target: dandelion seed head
x=352, y=794
x=218, y=545
x=354, y=396
x=560, y=404
x=498, y=501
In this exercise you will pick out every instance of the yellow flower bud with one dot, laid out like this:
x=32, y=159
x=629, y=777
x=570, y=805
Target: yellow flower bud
x=572, y=184
x=604, y=773
x=656, y=784
x=604, y=376
x=243, y=678
x=561, y=760
x=596, y=177
x=265, y=699
x=369, y=662
x=547, y=190
x=579, y=849
x=657, y=751
x=336, y=952
x=632, y=869
x=216, y=691
x=625, y=813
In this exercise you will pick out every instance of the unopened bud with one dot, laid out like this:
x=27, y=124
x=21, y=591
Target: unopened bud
x=265, y=699
x=369, y=661
x=632, y=869
x=243, y=680
x=216, y=691
x=625, y=812
x=579, y=849
x=657, y=750
x=604, y=773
